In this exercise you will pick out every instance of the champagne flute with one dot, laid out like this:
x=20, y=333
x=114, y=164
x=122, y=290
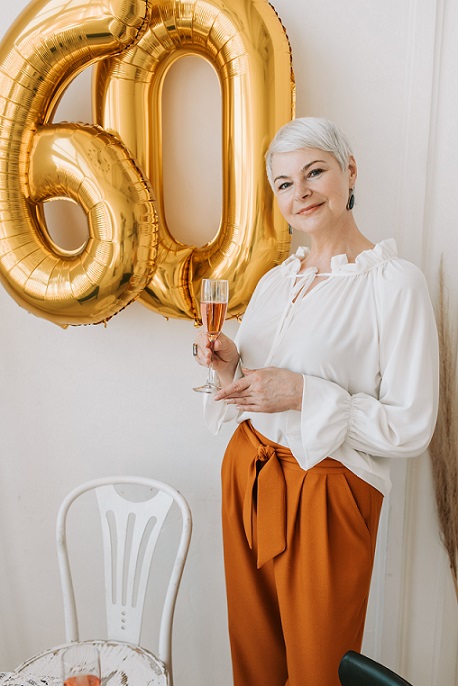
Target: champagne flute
x=214, y=295
x=81, y=665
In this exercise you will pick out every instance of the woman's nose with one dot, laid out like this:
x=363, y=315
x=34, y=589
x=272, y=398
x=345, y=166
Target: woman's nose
x=302, y=190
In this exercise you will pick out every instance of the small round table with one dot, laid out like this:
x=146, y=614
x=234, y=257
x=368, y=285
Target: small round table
x=121, y=664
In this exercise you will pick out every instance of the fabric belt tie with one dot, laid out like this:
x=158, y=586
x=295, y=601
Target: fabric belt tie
x=265, y=491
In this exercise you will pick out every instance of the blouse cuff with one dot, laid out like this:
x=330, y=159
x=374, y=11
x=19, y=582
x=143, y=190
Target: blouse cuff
x=325, y=417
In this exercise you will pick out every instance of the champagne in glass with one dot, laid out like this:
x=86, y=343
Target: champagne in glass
x=81, y=665
x=214, y=295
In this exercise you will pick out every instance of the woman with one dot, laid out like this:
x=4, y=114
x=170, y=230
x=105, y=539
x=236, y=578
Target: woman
x=333, y=373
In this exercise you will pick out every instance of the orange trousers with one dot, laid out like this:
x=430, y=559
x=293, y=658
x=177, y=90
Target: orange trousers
x=298, y=550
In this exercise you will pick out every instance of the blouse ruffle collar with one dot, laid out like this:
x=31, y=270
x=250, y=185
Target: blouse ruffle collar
x=366, y=260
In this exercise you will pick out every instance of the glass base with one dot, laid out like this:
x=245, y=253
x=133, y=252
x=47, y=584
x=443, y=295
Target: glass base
x=207, y=388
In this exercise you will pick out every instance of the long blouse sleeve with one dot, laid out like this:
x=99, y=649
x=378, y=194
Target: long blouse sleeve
x=397, y=421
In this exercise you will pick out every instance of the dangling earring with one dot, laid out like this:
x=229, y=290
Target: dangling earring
x=351, y=200
x=290, y=229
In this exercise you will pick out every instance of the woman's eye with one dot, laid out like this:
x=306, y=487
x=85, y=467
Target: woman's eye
x=284, y=185
x=315, y=172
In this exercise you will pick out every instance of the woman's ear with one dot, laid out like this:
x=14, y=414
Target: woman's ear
x=352, y=170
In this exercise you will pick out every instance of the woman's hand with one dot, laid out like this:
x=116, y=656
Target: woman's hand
x=225, y=355
x=265, y=390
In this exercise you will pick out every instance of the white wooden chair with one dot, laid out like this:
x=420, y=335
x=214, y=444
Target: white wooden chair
x=130, y=534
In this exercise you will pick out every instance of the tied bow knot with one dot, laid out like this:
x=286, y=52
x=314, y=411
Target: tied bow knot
x=265, y=497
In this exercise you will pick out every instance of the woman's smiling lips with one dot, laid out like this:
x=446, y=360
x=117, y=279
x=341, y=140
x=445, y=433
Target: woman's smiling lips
x=309, y=209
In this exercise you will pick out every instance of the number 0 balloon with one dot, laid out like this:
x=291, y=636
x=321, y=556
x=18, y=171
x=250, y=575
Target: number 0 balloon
x=50, y=43
x=112, y=169
x=246, y=43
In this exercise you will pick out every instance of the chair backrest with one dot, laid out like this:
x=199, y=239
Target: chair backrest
x=358, y=670
x=130, y=533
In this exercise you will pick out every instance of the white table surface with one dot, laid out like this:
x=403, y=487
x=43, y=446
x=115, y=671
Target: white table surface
x=121, y=664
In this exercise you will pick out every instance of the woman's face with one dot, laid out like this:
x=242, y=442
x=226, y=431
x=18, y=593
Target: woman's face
x=312, y=189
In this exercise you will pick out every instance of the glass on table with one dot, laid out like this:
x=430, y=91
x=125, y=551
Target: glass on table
x=81, y=665
x=214, y=296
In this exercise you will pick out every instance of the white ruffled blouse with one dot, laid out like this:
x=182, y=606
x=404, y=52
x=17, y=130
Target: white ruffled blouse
x=365, y=341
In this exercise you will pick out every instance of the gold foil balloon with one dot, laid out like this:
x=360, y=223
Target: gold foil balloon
x=245, y=42
x=47, y=46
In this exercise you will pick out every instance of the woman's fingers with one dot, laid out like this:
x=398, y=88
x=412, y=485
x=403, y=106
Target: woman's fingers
x=234, y=391
x=265, y=390
x=223, y=352
x=201, y=349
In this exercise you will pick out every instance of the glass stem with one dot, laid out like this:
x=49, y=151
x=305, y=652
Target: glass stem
x=211, y=372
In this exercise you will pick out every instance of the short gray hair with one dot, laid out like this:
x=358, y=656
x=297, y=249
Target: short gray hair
x=309, y=132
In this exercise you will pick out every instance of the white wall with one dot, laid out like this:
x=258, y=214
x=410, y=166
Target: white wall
x=92, y=401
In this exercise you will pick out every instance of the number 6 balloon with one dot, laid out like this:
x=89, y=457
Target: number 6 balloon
x=49, y=44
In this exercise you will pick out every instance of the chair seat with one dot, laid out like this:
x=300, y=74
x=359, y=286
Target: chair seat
x=356, y=669
x=121, y=664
